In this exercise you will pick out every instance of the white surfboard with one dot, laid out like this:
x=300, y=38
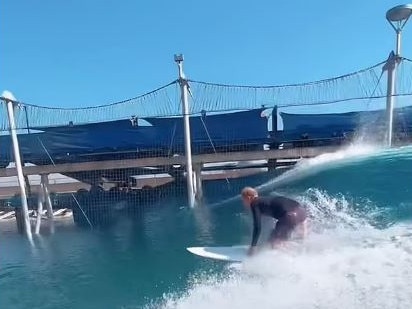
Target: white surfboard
x=229, y=254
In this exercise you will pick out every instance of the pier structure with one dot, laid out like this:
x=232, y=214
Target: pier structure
x=206, y=166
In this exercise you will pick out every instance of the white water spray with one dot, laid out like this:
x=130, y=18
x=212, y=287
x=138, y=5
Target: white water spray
x=345, y=263
x=311, y=166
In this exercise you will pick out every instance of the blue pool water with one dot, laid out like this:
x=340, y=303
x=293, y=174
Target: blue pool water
x=358, y=253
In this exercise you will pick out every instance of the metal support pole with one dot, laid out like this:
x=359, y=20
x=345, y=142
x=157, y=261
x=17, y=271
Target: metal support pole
x=397, y=17
x=198, y=178
x=398, y=42
x=20, y=176
x=188, y=150
x=46, y=196
x=40, y=201
x=390, y=66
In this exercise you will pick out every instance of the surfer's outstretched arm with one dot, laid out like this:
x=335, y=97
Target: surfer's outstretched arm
x=256, y=229
x=249, y=198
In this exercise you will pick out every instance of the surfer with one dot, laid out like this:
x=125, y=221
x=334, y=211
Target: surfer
x=288, y=212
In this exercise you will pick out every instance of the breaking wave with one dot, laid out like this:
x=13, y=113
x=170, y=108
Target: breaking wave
x=347, y=261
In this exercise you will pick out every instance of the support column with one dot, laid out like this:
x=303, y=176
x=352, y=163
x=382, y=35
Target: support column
x=19, y=219
x=390, y=66
x=199, y=185
x=10, y=101
x=46, y=195
x=188, y=149
x=40, y=201
x=272, y=164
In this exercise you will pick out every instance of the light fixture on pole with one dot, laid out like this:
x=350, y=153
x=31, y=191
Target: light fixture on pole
x=397, y=18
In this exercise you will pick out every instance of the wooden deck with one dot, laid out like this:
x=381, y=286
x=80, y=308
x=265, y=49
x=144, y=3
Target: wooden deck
x=9, y=186
x=291, y=153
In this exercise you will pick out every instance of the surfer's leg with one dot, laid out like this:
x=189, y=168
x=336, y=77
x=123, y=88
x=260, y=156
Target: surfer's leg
x=280, y=233
x=298, y=221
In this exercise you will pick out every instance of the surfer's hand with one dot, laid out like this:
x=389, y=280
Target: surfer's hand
x=251, y=251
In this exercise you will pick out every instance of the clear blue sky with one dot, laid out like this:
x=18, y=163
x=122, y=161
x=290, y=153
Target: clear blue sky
x=89, y=52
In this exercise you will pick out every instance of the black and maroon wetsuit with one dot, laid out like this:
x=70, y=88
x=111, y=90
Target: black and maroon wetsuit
x=288, y=212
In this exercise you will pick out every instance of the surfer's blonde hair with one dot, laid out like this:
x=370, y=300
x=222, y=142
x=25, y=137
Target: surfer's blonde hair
x=249, y=192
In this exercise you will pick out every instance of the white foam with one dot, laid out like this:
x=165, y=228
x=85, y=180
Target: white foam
x=347, y=264
x=346, y=276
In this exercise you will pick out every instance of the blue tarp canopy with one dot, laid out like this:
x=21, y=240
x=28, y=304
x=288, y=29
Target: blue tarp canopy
x=236, y=128
x=70, y=142
x=316, y=126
